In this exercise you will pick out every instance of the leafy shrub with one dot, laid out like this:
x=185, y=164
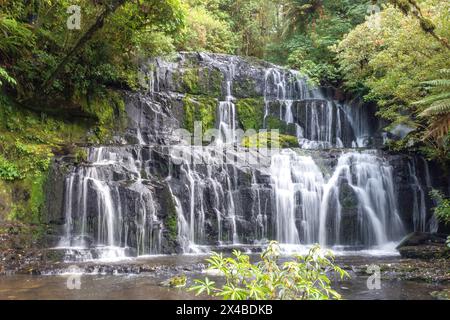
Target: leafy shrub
x=442, y=211
x=8, y=171
x=304, y=278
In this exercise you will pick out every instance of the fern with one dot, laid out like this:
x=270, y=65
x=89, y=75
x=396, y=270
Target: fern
x=438, y=108
x=438, y=83
x=437, y=105
x=431, y=99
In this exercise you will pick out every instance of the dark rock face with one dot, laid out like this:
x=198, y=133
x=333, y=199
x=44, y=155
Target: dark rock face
x=426, y=246
x=140, y=196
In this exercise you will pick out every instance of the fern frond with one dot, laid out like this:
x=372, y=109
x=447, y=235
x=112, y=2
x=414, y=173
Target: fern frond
x=433, y=98
x=438, y=108
x=441, y=83
x=439, y=129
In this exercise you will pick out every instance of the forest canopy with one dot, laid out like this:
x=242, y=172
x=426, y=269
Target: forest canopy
x=394, y=53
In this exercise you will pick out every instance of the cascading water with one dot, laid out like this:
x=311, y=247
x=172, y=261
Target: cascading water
x=320, y=122
x=227, y=110
x=310, y=209
x=94, y=208
x=363, y=183
x=298, y=185
x=143, y=197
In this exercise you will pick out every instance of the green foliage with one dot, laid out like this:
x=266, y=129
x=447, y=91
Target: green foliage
x=6, y=77
x=40, y=35
x=442, y=211
x=250, y=113
x=27, y=144
x=309, y=29
x=390, y=60
x=81, y=155
x=8, y=171
x=269, y=139
x=205, y=32
x=304, y=278
x=109, y=111
x=175, y=282
x=437, y=106
x=199, y=108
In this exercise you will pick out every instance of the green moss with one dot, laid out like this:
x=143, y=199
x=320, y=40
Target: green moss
x=109, y=111
x=200, y=81
x=81, y=155
x=28, y=142
x=427, y=25
x=251, y=113
x=191, y=81
x=273, y=123
x=267, y=139
x=199, y=108
x=171, y=221
x=28, y=199
x=175, y=282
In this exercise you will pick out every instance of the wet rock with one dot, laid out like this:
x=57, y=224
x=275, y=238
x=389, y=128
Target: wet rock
x=426, y=252
x=422, y=238
x=427, y=246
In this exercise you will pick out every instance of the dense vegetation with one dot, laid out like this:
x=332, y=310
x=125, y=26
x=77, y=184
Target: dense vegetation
x=59, y=86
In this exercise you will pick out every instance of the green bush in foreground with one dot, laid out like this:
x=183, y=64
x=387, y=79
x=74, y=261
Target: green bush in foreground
x=303, y=278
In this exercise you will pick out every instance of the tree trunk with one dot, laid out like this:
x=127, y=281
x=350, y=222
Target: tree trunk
x=110, y=9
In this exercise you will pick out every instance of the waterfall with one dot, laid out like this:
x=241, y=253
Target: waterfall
x=286, y=231
x=227, y=110
x=419, y=205
x=320, y=121
x=370, y=192
x=147, y=194
x=298, y=185
x=94, y=208
x=310, y=209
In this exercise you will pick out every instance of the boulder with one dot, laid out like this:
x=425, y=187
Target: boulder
x=426, y=246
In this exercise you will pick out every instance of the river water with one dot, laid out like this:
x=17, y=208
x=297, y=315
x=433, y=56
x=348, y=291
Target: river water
x=146, y=285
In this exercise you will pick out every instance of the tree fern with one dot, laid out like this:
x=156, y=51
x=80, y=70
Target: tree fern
x=438, y=83
x=433, y=98
x=437, y=106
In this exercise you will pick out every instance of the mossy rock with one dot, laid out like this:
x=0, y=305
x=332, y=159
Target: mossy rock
x=273, y=123
x=269, y=140
x=199, y=108
x=200, y=81
x=175, y=282
x=251, y=113
x=171, y=219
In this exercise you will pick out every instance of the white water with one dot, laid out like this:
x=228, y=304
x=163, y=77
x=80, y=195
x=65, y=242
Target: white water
x=309, y=208
x=227, y=111
x=309, y=203
x=89, y=188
